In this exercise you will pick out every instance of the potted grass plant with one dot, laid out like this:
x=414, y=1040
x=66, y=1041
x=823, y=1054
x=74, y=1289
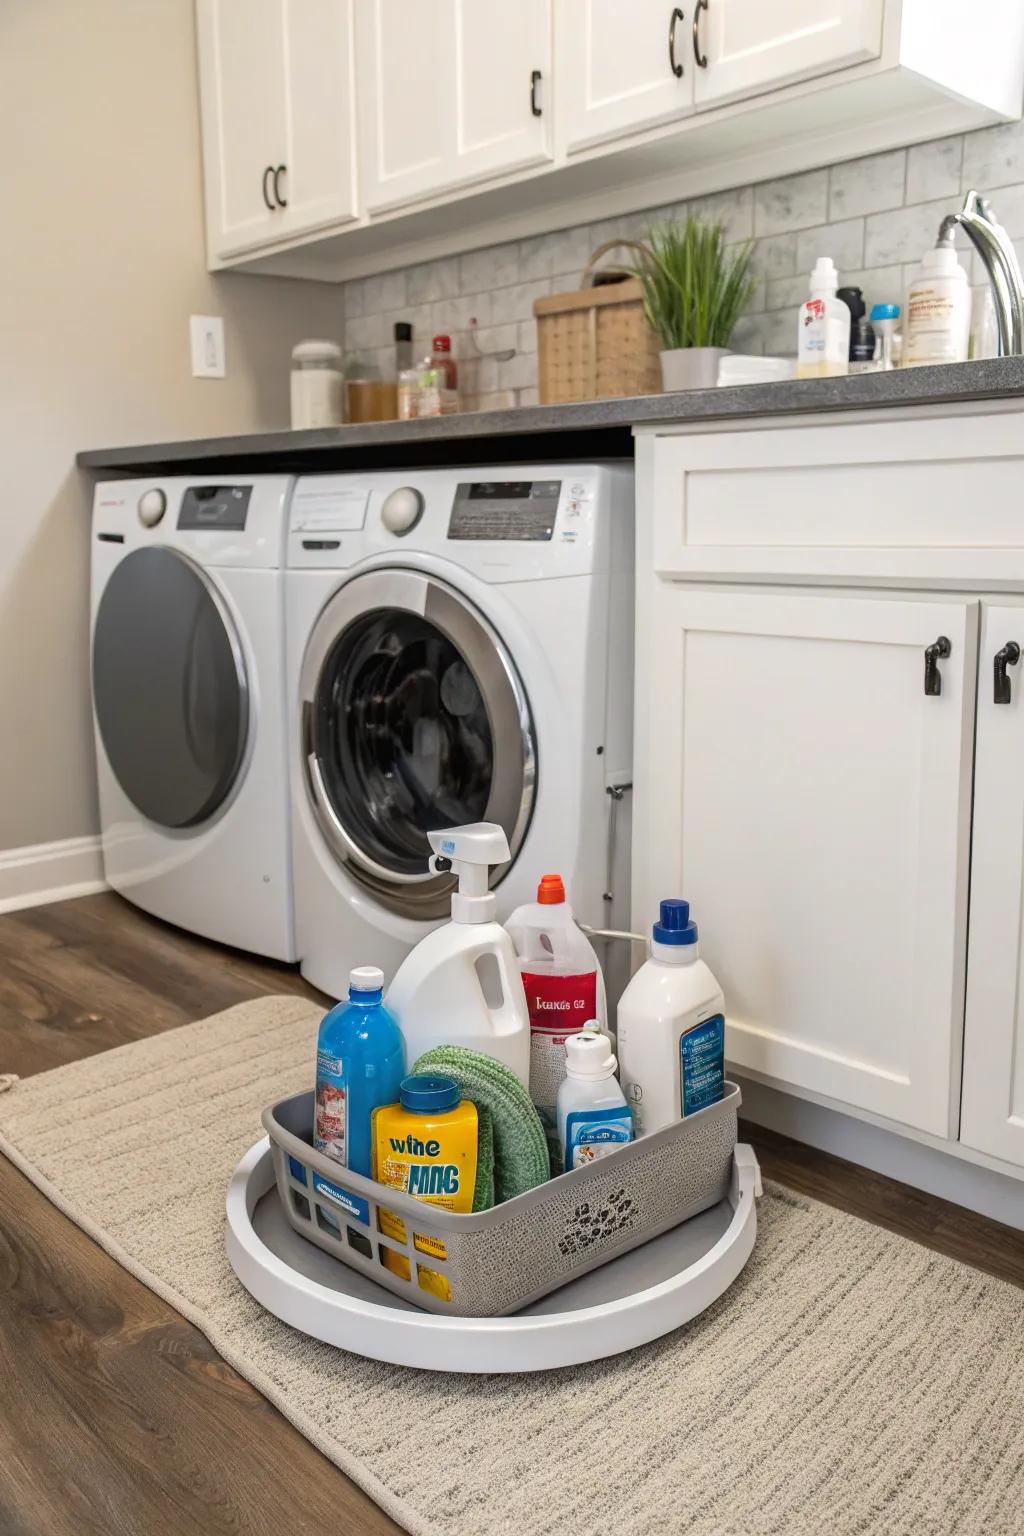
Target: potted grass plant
x=694, y=292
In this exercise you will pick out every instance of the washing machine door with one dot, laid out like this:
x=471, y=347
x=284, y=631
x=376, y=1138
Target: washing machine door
x=169, y=687
x=414, y=717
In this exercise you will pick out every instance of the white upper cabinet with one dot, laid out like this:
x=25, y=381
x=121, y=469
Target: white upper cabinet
x=992, y=1118
x=743, y=47
x=278, y=119
x=452, y=92
x=621, y=68
x=797, y=783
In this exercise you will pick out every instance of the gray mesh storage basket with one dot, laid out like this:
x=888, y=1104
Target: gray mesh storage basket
x=488, y=1263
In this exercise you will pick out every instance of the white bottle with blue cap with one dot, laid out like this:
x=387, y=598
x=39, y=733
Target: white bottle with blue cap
x=671, y=1022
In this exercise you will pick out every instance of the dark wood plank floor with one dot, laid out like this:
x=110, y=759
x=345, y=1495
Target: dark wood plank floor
x=117, y=1418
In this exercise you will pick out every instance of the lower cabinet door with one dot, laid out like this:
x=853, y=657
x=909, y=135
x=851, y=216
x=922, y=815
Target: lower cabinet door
x=992, y=1117
x=798, y=783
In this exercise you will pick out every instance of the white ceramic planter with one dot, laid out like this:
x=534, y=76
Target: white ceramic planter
x=690, y=367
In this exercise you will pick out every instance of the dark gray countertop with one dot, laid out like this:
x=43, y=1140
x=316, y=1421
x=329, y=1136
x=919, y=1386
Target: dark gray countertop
x=592, y=429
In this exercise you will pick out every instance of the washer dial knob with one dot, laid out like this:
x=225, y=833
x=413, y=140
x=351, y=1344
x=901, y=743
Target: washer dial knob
x=402, y=509
x=152, y=506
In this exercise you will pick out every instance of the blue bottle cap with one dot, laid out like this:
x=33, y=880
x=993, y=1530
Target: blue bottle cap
x=674, y=926
x=885, y=312
x=425, y=1094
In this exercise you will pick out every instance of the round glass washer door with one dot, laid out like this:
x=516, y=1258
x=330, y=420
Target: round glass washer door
x=413, y=718
x=169, y=687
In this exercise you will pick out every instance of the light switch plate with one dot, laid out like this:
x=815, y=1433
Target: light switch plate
x=207, y=333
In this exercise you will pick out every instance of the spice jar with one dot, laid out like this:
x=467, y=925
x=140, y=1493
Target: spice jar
x=316, y=385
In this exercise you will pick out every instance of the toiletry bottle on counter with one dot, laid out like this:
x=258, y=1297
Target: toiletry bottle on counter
x=823, y=340
x=593, y=1116
x=564, y=989
x=937, y=317
x=461, y=983
x=885, y=319
x=360, y=1062
x=671, y=1026
x=862, y=336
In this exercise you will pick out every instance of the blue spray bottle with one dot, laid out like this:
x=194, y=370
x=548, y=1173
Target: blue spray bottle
x=360, y=1062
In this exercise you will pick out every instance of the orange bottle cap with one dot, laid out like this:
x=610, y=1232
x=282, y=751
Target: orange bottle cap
x=551, y=891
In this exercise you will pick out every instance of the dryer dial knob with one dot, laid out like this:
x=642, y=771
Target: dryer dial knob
x=152, y=506
x=402, y=509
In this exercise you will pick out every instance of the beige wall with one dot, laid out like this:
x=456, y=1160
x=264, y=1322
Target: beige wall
x=101, y=263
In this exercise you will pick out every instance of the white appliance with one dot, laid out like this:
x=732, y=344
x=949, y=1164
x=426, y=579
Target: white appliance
x=189, y=704
x=460, y=649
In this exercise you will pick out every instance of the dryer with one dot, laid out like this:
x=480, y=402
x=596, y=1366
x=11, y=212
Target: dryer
x=189, y=703
x=459, y=649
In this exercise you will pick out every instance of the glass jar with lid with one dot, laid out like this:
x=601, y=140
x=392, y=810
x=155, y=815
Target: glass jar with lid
x=316, y=385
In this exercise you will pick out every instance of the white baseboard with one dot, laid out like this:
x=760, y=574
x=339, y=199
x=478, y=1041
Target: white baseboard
x=50, y=872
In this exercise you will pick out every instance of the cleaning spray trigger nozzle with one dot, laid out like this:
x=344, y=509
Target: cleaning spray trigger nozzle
x=469, y=852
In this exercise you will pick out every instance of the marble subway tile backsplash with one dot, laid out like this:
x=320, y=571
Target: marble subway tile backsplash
x=874, y=217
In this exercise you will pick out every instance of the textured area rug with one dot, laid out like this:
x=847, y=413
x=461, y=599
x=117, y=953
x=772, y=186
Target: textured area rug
x=850, y=1381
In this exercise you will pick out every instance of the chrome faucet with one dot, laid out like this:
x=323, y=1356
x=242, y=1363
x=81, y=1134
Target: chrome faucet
x=995, y=248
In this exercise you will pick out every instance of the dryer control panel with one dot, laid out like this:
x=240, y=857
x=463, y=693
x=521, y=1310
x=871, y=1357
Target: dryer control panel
x=505, y=509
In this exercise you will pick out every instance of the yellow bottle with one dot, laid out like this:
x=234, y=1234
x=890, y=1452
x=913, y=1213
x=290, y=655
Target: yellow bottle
x=426, y=1145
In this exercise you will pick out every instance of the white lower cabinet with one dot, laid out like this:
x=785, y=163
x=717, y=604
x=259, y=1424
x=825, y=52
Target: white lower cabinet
x=992, y=1118
x=797, y=783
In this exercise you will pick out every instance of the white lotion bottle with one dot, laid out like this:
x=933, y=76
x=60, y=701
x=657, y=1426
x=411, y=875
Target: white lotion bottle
x=937, y=315
x=823, y=336
x=461, y=984
x=671, y=1024
x=593, y=1116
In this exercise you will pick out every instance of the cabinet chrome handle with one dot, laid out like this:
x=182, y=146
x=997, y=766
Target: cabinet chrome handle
x=674, y=65
x=266, y=195
x=282, y=202
x=1007, y=657
x=701, y=58
x=938, y=650
x=535, y=79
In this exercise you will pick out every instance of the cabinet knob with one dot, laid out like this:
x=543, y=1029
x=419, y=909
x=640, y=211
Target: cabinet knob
x=1007, y=657
x=268, y=172
x=933, y=654
x=701, y=58
x=282, y=202
x=674, y=64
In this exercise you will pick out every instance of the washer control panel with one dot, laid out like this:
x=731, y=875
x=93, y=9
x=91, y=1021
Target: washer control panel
x=215, y=506
x=522, y=510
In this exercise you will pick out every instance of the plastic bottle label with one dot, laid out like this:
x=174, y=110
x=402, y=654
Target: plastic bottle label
x=593, y=1133
x=559, y=1006
x=702, y=1065
x=330, y=1123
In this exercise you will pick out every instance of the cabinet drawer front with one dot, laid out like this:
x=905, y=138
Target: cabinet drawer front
x=797, y=785
x=888, y=501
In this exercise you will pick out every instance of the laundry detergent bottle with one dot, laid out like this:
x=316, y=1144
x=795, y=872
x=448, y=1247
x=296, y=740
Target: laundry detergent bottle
x=461, y=984
x=671, y=1028
x=360, y=1063
x=564, y=989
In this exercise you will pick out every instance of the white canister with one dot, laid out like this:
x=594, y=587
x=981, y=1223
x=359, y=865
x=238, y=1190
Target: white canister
x=317, y=391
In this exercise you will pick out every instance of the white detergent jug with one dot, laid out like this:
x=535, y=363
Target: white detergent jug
x=564, y=989
x=461, y=984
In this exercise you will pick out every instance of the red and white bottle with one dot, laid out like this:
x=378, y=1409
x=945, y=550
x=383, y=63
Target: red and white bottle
x=564, y=990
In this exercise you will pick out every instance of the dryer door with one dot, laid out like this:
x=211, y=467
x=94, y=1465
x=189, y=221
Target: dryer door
x=413, y=718
x=169, y=687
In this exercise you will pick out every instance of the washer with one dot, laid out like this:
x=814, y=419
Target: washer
x=189, y=704
x=459, y=649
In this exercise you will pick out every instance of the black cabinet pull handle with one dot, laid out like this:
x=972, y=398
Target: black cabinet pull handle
x=701, y=58
x=282, y=202
x=535, y=79
x=676, y=67
x=1007, y=657
x=938, y=650
x=266, y=195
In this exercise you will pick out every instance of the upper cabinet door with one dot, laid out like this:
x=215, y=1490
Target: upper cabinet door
x=278, y=119
x=449, y=95
x=621, y=67
x=992, y=1117
x=797, y=784
x=742, y=47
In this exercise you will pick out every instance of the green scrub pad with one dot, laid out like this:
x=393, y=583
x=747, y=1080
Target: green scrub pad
x=483, y=1194
x=520, y=1152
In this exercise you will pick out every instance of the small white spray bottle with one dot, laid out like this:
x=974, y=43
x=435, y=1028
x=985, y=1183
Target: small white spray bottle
x=461, y=984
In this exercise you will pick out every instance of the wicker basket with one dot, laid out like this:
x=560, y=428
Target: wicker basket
x=596, y=343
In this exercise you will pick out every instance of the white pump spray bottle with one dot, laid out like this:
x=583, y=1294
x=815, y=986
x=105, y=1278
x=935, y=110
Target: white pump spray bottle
x=461, y=984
